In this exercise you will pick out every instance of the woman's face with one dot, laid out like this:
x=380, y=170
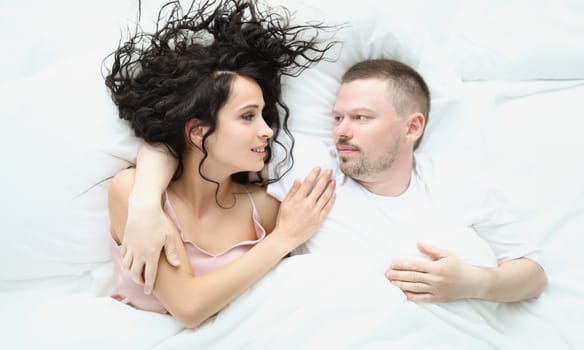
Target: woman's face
x=240, y=140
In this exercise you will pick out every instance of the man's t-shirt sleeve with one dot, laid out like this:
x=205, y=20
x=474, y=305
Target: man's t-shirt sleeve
x=475, y=199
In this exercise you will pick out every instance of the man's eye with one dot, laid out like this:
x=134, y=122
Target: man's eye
x=360, y=117
x=337, y=118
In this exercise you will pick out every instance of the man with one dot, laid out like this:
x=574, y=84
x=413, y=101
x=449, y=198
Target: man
x=387, y=192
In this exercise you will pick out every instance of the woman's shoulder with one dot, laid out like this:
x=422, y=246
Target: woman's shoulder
x=121, y=185
x=266, y=205
x=118, y=194
x=124, y=178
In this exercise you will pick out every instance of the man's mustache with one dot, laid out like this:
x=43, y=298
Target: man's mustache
x=345, y=142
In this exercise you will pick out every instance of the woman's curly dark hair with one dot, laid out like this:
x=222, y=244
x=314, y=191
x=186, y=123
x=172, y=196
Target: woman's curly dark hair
x=184, y=69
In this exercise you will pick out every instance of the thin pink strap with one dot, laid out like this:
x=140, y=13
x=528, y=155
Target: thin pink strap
x=253, y=205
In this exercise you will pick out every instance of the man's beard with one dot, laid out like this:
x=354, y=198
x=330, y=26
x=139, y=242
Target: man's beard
x=366, y=168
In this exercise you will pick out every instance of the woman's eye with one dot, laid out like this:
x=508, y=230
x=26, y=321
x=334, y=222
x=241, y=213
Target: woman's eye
x=247, y=116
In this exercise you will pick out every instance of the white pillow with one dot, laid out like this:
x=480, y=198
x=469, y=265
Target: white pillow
x=371, y=30
x=60, y=125
x=63, y=126
x=518, y=40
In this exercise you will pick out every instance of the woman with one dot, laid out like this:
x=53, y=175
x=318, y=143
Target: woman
x=206, y=85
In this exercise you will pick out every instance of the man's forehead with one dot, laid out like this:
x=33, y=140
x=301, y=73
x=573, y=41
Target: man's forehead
x=363, y=88
x=365, y=95
x=353, y=109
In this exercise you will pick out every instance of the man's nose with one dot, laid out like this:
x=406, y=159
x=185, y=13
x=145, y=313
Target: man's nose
x=343, y=129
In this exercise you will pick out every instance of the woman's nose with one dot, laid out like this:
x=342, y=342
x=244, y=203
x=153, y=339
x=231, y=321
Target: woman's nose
x=265, y=131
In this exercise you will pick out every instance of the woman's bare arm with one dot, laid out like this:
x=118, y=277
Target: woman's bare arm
x=192, y=299
x=147, y=228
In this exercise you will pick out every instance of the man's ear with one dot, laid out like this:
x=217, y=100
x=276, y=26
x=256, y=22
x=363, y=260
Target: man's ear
x=195, y=131
x=415, y=127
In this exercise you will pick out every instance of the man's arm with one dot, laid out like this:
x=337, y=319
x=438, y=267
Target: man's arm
x=148, y=229
x=469, y=197
x=514, y=280
x=447, y=278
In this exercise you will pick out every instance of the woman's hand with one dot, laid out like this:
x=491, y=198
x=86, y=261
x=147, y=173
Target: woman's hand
x=148, y=229
x=305, y=207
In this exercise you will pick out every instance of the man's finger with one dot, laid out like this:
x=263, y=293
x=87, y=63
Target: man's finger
x=431, y=251
x=407, y=276
x=136, y=271
x=412, y=287
x=123, y=250
x=127, y=261
x=171, y=252
x=420, y=266
x=420, y=297
x=150, y=271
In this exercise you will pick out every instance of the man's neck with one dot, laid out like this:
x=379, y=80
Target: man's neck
x=393, y=182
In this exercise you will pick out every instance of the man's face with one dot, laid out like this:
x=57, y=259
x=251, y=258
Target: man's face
x=368, y=133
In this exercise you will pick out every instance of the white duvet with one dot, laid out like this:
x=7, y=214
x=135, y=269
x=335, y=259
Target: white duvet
x=318, y=301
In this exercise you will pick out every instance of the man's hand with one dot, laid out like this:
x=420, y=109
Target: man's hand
x=445, y=278
x=148, y=230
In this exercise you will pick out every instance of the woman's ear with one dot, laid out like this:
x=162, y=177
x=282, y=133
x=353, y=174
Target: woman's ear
x=415, y=127
x=195, y=132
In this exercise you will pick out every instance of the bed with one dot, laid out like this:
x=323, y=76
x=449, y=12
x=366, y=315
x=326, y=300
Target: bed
x=507, y=80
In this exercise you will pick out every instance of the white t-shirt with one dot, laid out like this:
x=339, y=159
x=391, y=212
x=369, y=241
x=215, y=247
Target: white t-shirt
x=447, y=205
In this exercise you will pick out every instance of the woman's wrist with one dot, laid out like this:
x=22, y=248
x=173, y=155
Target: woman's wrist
x=140, y=199
x=280, y=244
